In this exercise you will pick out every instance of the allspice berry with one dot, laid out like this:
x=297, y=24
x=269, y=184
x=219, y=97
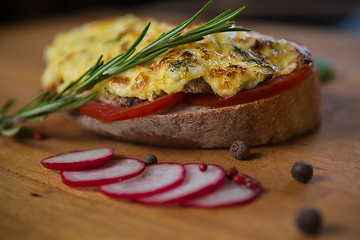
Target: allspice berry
x=240, y=150
x=150, y=159
x=309, y=221
x=302, y=171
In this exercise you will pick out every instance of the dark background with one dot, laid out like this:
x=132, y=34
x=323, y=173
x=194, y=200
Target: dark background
x=343, y=14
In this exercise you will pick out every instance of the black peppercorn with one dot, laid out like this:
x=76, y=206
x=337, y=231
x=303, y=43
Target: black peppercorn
x=302, y=171
x=309, y=221
x=150, y=159
x=240, y=150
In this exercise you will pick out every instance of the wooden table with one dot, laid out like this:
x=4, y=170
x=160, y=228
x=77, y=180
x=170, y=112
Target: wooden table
x=34, y=204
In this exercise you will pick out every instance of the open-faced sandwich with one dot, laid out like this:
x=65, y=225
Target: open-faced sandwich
x=232, y=85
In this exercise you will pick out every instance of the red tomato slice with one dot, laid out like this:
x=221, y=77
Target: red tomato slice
x=108, y=112
x=271, y=88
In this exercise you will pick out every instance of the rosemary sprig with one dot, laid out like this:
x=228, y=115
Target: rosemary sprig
x=77, y=93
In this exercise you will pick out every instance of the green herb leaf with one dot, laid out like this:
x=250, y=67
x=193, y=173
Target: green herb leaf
x=324, y=69
x=9, y=132
x=6, y=106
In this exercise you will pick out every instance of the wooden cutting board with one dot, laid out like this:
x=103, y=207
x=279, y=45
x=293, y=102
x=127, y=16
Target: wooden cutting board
x=34, y=204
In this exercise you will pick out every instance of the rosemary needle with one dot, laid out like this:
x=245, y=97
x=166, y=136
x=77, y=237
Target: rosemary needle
x=76, y=93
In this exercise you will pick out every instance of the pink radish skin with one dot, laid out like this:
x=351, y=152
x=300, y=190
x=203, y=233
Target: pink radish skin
x=114, y=171
x=155, y=179
x=196, y=184
x=79, y=160
x=228, y=195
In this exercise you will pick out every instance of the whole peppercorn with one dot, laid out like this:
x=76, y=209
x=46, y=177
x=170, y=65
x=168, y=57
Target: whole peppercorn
x=202, y=167
x=302, y=171
x=251, y=183
x=150, y=159
x=240, y=150
x=231, y=173
x=309, y=221
x=38, y=135
x=239, y=178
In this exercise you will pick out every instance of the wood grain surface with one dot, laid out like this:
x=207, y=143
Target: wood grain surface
x=34, y=204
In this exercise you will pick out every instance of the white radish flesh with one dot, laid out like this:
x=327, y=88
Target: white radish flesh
x=196, y=184
x=155, y=179
x=228, y=195
x=114, y=171
x=79, y=160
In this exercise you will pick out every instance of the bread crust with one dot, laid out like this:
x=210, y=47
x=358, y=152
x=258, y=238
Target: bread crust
x=271, y=120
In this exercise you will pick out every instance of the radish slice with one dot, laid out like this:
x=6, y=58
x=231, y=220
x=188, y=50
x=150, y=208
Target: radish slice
x=79, y=160
x=155, y=179
x=229, y=194
x=196, y=184
x=115, y=170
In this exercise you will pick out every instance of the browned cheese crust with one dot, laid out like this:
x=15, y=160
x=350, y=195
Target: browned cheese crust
x=271, y=120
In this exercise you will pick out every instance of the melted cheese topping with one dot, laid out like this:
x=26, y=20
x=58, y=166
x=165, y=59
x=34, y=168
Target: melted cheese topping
x=228, y=62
